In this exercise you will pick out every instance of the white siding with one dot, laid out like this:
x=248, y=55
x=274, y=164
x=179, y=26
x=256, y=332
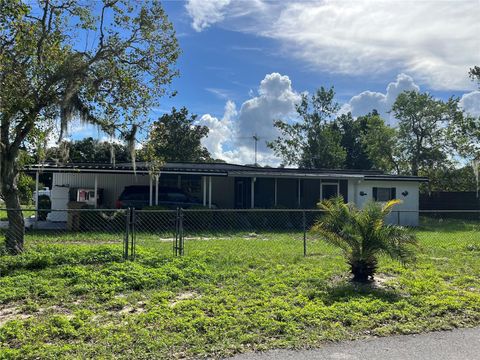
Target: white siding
x=409, y=203
x=112, y=184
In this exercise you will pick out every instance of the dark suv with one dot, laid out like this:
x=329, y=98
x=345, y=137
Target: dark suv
x=138, y=197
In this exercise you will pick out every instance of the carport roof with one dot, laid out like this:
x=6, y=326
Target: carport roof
x=219, y=169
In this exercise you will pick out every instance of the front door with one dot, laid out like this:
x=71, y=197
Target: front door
x=241, y=193
x=329, y=191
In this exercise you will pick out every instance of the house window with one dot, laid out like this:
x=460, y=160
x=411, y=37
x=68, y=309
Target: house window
x=384, y=194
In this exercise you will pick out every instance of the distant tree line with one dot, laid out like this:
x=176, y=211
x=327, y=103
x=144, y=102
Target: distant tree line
x=433, y=138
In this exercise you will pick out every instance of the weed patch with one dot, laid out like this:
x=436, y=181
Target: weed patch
x=223, y=297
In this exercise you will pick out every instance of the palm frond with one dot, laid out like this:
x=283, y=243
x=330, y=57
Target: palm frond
x=363, y=234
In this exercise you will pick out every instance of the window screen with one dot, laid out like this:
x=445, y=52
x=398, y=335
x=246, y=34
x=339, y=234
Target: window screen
x=384, y=194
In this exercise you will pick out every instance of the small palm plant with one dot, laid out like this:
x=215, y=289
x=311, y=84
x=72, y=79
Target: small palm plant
x=362, y=234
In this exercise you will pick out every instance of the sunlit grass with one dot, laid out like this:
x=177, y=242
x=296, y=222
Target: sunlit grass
x=73, y=296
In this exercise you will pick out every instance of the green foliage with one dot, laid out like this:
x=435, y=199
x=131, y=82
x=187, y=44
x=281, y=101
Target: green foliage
x=315, y=141
x=26, y=187
x=177, y=137
x=422, y=129
x=324, y=140
x=379, y=143
x=450, y=179
x=362, y=234
x=474, y=73
x=47, y=75
x=90, y=150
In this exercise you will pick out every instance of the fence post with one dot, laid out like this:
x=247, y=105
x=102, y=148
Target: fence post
x=127, y=234
x=304, y=234
x=177, y=233
x=132, y=235
x=181, y=233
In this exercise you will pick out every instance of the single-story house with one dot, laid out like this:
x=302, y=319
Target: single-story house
x=237, y=186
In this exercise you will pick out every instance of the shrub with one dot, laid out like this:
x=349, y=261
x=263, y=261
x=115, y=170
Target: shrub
x=363, y=235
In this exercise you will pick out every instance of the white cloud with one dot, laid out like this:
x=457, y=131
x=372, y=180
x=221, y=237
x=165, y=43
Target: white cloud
x=435, y=41
x=205, y=12
x=470, y=103
x=221, y=130
x=230, y=138
x=276, y=99
x=220, y=93
x=366, y=101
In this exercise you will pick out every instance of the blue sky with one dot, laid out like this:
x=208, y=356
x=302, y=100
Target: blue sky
x=244, y=63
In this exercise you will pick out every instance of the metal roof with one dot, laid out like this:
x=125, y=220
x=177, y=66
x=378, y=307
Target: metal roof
x=220, y=169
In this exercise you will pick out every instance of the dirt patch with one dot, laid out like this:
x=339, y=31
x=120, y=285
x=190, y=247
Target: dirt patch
x=187, y=295
x=11, y=313
x=138, y=308
x=383, y=281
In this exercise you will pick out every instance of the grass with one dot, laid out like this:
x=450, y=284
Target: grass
x=244, y=292
x=28, y=211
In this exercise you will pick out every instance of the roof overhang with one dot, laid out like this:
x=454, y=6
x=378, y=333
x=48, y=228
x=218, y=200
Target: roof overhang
x=103, y=169
x=396, y=178
x=295, y=175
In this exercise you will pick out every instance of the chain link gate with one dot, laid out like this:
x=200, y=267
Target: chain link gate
x=209, y=224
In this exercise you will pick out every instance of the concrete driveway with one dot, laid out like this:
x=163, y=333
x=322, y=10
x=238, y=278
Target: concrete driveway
x=461, y=344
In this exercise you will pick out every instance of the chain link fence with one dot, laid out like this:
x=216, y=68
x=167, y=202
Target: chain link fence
x=234, y=234
x=67, y=227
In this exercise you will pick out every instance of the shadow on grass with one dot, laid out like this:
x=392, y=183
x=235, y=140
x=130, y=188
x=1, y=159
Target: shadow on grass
x=348, y=290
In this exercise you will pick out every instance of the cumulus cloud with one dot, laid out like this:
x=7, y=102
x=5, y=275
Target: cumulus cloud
x=366, y=101
x=470, y=103
x=276, y=99
x=230, y=137
x=432, y=40
x=221, y=130
x=205, y=12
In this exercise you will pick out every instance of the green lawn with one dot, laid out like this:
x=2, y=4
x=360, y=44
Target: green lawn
x=28, y=211
x=237, y=293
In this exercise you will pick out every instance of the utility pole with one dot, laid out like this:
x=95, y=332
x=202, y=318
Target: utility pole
x=255, y=138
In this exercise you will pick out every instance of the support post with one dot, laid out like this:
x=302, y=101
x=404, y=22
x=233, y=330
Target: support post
x=252, y=193
x=95, y=190
x=304, y=221
x=37, y=176
x=204, y=178
x=299, y=195
x=156, y=188
x=209, y=192
x=275, y=196
x=320, y=190
x=127, y=233
x=150, y=202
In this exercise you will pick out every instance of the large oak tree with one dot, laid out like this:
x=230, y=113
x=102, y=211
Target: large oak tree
x=105, y=63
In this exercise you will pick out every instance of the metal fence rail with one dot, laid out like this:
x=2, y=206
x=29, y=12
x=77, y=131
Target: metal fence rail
x=232, y=233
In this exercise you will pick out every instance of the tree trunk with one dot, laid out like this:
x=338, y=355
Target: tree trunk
x=414, y=171
x=14, y=237
x=363, y=270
